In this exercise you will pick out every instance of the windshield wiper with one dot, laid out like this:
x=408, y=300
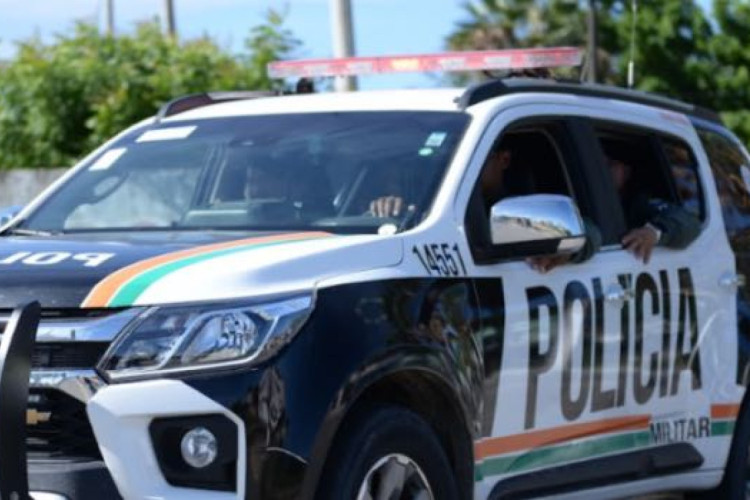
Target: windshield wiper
x=19, y=231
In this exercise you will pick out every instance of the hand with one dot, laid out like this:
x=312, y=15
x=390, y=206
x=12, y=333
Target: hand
x=387, y=206
x=641, y=242
x=546, y=263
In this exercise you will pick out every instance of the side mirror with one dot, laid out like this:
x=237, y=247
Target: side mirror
x=540, y=224
x=8, y=213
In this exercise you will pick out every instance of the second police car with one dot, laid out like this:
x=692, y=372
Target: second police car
x=310, y=297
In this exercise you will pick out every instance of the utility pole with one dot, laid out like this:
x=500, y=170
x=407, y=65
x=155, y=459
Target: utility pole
x=593, y=43
x=343, y=40
x=109, y=16
x=169, y=18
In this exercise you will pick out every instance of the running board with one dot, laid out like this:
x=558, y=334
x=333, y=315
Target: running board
x=16, y=349
x=631, y=466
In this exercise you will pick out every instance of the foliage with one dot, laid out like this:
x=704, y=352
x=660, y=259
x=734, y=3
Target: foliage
x=500, y=24
x=730, y=88
x=680, y=51
x=59, y=100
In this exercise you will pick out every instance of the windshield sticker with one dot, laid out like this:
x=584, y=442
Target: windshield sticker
x=425, y=152
x=108, y=159
x=435, y=140
x=166, y=134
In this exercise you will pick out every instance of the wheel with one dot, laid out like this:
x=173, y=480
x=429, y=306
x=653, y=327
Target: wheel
x=387, y=453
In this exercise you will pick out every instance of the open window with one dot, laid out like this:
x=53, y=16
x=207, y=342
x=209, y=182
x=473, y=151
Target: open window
x=530, y=158
x=683, y=167
x=648, y=170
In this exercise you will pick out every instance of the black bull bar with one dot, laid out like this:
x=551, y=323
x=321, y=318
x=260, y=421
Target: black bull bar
x=16, y=349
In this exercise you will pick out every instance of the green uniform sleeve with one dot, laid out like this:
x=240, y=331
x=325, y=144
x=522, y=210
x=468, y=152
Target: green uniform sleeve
x=679, y=227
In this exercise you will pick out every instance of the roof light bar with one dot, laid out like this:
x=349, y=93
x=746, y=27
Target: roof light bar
x=515, y=59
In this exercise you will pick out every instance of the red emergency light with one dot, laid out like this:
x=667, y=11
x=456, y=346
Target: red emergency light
x=515, y=59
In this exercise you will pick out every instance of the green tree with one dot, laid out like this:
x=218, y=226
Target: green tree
x=503, y=24
x=729, y=89
x=60, y=100
x=679, y=51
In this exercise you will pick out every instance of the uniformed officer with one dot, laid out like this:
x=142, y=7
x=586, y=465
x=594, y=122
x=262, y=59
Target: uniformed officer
x=493, y=188
x=651, y=221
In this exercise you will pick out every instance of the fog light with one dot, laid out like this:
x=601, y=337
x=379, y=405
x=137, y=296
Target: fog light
x=199, y=447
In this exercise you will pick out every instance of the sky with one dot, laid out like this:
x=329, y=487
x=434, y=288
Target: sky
x=381, y=27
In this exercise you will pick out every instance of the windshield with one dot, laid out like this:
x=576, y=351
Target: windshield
x=295, y=171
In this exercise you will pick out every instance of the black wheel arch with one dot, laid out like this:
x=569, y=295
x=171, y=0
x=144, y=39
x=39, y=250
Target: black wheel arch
x=418, y=381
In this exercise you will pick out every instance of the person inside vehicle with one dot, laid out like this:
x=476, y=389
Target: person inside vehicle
x=278, y=191
x=390, y=205
x=494, y=188
x=263, y=182
x=650, y=221
x=491, y=182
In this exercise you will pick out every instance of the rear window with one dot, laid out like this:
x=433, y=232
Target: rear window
x=732, y=175
x=648, y=170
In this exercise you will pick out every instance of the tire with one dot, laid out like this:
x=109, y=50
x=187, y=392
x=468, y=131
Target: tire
x=382, y=443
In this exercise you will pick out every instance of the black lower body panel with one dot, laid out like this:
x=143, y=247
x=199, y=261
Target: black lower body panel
x=605, y=471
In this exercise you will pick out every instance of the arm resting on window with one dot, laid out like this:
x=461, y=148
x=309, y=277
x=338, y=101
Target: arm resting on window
x=679, y=227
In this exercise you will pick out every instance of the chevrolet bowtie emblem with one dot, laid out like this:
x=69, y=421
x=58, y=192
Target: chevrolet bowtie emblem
x=34, y=417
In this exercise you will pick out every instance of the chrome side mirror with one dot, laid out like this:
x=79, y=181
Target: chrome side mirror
x=540, y=224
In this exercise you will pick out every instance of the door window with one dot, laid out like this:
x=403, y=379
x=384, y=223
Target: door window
x=524, y=160
x=652, y=174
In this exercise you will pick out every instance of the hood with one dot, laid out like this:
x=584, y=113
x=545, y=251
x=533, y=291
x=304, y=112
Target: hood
x=120, y=270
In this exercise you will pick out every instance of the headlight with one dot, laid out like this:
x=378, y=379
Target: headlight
x=170, y=339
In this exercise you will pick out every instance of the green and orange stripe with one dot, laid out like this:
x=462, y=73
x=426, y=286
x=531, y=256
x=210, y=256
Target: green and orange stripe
x=123, y=287
x=542, y=448
x=723, y=417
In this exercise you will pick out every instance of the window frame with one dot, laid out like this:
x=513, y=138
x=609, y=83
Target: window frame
x=617, y=225
x=563, y=143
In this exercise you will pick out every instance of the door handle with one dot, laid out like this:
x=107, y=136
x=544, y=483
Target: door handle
x=616, y=294
x=732, y=280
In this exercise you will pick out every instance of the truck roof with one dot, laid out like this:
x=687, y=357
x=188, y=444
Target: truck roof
x=435, y=99
x=439, y=99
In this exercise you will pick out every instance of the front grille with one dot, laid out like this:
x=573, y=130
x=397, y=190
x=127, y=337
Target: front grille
x=70, y=314
x=62, y=428
x=57, y=425
x=69, y=355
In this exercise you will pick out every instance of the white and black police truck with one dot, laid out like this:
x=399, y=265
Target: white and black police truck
x=339, y=296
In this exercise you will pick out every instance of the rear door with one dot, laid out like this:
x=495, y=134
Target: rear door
x=666, y=314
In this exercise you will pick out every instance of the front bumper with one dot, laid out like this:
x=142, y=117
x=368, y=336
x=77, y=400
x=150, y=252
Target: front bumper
x=120, y=417
x=58, y=480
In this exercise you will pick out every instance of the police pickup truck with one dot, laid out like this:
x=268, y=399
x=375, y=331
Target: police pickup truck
x=311, y=297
